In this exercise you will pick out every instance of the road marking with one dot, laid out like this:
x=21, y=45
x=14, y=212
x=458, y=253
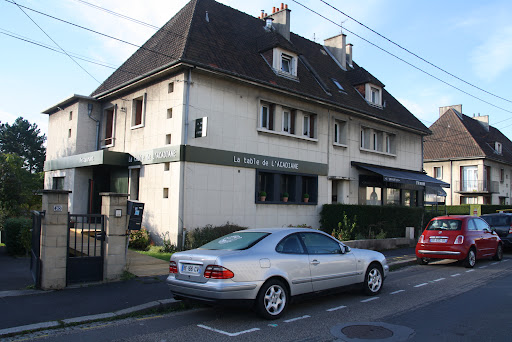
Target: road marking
x=494, y=263
x=482, y=266
x=227, y=333
x=470, y=271
x=96, y=326
x=420, y=285
x=455, y=275
x=337, y=308
x=504, y=260
x=296, y=318
x=440, y=279
x=369, y=299
x=397, y=291
x=32, y=338
x=150, y=317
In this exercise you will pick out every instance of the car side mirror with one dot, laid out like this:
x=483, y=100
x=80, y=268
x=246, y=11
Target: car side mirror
x=486, y=230
x=346, y=249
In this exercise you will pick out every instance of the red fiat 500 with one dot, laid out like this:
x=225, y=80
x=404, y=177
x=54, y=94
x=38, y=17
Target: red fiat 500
x=458, y=237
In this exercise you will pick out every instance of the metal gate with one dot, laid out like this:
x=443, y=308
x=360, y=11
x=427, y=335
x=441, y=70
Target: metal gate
x=35, y=251
x=86, y=237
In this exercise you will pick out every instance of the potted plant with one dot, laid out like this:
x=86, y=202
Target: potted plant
x=285, y=197
x=306, y=198
x=263, y=196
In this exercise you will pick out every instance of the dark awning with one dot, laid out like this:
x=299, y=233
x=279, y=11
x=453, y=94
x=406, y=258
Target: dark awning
x=403, y=176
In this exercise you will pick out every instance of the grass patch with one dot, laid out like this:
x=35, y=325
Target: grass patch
x=2, y=244
x=154, y=251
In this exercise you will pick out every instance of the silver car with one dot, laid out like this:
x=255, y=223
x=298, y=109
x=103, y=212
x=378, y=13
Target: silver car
x=269, y=266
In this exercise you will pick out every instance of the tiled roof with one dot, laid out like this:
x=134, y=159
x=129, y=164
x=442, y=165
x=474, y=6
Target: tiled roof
x=458, y=136
x=214, y=36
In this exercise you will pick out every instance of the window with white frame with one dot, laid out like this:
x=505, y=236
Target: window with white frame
x=289, y=121
x=308, y=125
x=267, y=116
x=498, y=148
x=284, y=63
x=365, y=138
x=109, y=127
x=375, y=95
x=438, y=172
x=502, y=175
x=340, y=135
x=138, y=111
x=287, y=64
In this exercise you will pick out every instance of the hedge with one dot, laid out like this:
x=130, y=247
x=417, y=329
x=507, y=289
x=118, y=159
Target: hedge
x=464, y=209
x=18, y=236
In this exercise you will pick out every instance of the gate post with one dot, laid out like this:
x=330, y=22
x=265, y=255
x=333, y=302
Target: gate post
x=54, y=241
x=114, y=207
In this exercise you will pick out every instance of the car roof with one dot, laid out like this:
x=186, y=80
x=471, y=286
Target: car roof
x=281, y=229
x=451, y=217
x=498, y=214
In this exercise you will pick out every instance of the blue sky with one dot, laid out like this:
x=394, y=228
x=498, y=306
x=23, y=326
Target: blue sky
x=470, y=39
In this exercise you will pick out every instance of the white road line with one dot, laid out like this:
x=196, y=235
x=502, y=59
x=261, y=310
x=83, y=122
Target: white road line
x=495, y=263
x=440, y=279
x=296, y=319
x=227, y=333
x=470, y=271
x=420, y=285
x=504, y=260
x=455, y=275
x=483, y=266
x=337, y=308
x=397, y=291
x=369, y=299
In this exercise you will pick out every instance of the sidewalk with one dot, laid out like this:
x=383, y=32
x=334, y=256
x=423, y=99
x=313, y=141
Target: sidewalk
x=25, y=310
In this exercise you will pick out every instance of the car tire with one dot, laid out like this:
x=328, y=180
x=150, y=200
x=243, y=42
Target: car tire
x=272, y=299
x=499, y=253
x=470, y=260
x=373, y=280
x=422, y=261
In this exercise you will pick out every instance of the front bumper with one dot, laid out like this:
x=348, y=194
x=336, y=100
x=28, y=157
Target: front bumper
x=214, y=290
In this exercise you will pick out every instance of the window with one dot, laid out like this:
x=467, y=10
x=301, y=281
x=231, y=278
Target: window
x=438, y=172
x=276, y=184
x=320, y=244
x=109, y=127
x=371, y=195
x=289, y=122
x=58, y=183
x=337, y=84
x=374, y=95
x=170, y=87
x=267, y=116
x=392, y=196
x=469, y=178
x=365, y=138
x=169, y=113
x=69, y=133
x=167, y=139
x=308, y=126
x=502, y=175
x=167, y=166
x=498, y=148
x=375, y=141
x=138, y=111
x=134, y=183
x=287, y=64
x=288, y=187
x=290, y=245
x=340, y=135
x=70, y=115
x=166, y=192
x=468, y=200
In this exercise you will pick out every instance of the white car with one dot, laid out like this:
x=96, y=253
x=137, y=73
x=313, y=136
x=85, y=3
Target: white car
x=269, y=266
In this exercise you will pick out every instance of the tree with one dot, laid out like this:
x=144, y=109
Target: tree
x=25, y=140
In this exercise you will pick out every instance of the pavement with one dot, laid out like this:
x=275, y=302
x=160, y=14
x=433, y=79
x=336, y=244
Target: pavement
x=24, y=309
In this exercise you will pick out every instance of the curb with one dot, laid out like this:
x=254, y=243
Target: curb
x=158, y=304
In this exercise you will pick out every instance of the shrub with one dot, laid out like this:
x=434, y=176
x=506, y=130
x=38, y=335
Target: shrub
x=199, y=236
x=140, y=239
x=18, y=237
x=168, y=246
x=345, y=229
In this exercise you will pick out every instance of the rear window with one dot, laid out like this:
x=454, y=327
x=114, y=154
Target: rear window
x=498, y=220
x=444, y=224
x=235, y=241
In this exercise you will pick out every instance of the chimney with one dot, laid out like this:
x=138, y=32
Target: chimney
x=348, y=52
x=281, y=19
x=457, y=108
x=484, y=121
x=336, y=46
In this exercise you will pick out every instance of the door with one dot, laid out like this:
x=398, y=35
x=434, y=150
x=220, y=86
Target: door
x=294, y=259
x=488, y=240
x=469, y=178
x=329, y=267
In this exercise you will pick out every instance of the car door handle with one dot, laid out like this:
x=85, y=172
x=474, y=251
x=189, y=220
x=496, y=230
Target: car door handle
x=315, y=262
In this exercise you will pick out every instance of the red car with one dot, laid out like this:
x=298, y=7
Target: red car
x=459, y=237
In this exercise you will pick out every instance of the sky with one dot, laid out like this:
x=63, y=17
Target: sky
x=469, y=39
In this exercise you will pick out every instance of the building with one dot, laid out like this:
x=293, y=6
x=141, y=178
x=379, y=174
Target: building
x=219, y=106
x=472, y=156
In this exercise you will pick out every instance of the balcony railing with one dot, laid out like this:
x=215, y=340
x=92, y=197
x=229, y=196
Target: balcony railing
x=474, y=186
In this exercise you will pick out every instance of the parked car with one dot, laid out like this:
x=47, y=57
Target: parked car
x=267, y=267
x=459, y=237
x=501, y=223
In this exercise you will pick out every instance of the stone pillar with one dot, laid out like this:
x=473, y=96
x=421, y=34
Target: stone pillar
x=54, y=239
x=114, y=207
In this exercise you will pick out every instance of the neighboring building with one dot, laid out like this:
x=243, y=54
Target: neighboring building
x=474, y=157
x=218, y=106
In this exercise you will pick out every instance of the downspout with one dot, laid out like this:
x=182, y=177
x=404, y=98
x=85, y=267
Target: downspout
x=182, y=233
x=89, y=113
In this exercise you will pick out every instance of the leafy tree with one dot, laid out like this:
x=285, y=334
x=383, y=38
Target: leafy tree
x=25, y=140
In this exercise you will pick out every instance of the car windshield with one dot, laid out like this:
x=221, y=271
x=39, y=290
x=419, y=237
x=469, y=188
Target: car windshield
x=444, y=224
x=498, y=220
x=235, y=241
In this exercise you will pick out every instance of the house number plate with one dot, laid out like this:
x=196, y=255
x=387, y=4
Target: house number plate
x=57, y=208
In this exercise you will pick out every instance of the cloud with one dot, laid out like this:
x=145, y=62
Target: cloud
x=490, y=59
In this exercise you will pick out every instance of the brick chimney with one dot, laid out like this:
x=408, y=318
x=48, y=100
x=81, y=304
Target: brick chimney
x=336, y=46
x=281, y=23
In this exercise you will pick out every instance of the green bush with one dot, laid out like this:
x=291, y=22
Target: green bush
x=168, y=246
x=372, y=220
x=346, y=229
x=199, y=236
x=139, y=240
x=18, y=237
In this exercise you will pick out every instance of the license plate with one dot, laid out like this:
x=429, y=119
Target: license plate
x=438, y=240
x=192, y=269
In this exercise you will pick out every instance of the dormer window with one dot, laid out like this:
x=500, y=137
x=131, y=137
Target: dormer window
x=373, y=95
x=498, y=148
x=286, y=63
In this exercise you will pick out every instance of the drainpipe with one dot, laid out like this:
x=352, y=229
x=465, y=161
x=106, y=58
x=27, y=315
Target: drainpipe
x=89, y=113
x=185, y=142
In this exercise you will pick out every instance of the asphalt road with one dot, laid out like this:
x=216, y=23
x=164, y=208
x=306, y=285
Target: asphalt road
x=442, y=302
